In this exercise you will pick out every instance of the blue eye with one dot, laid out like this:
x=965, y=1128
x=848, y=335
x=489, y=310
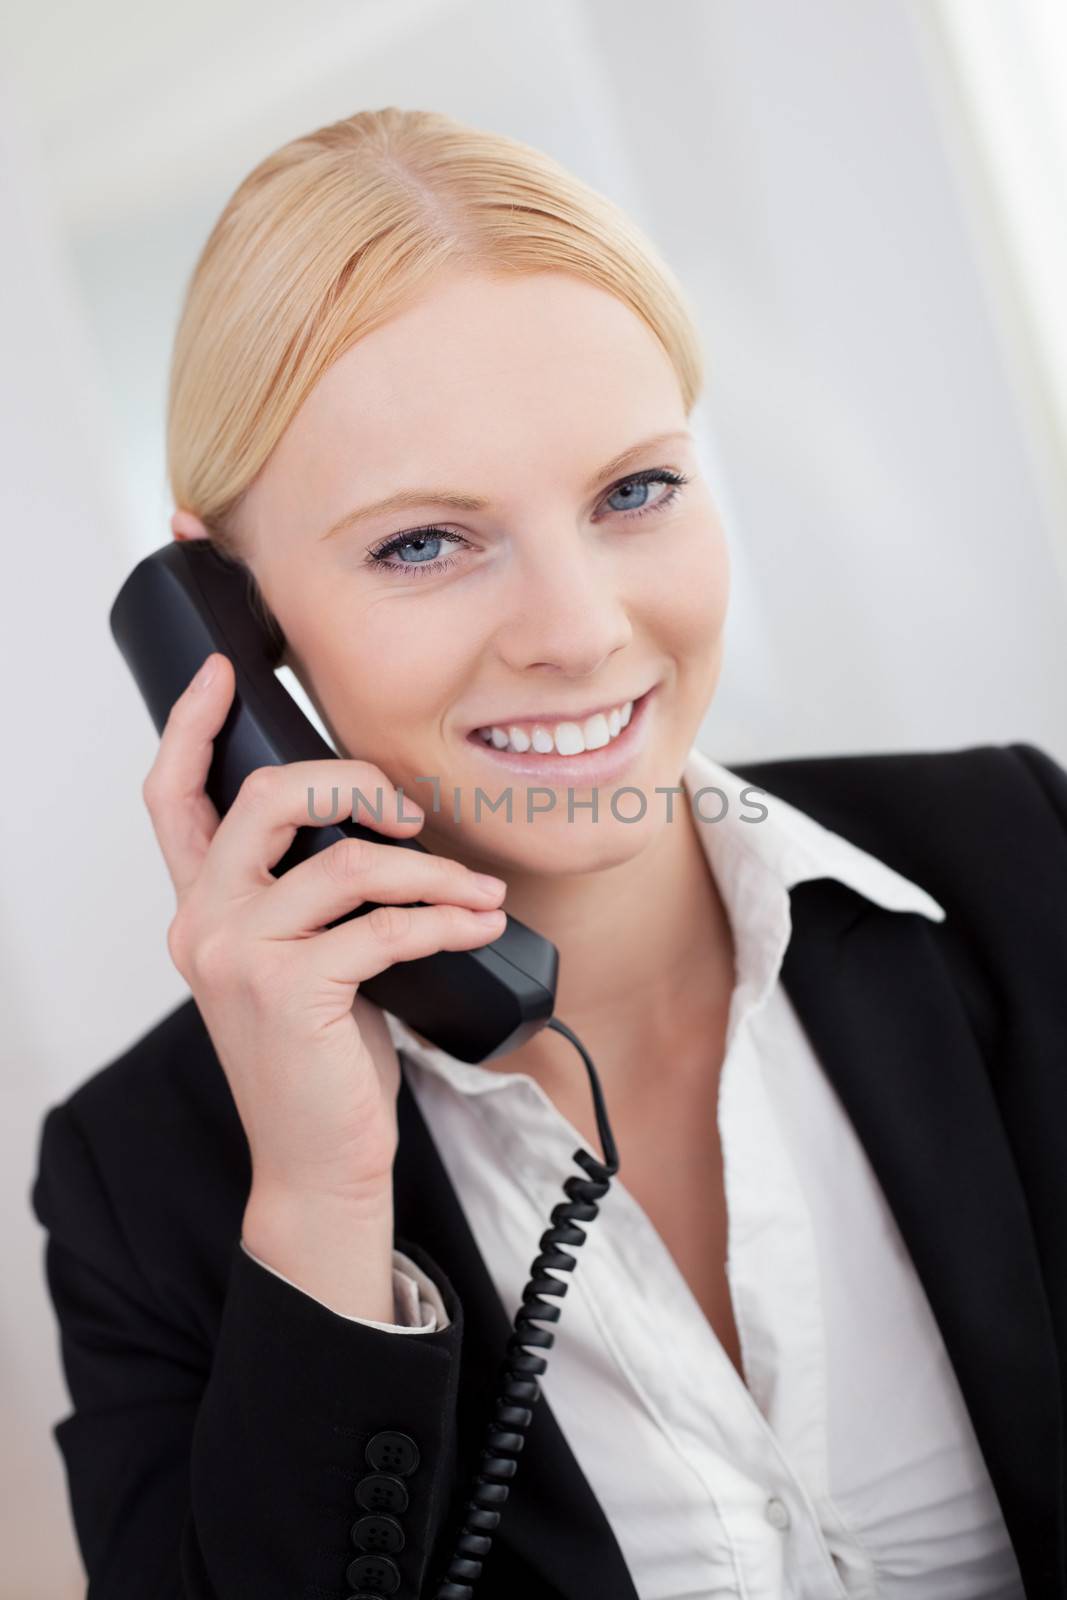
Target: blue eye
x=641, y=482
x=425, y=543
x=425, y=546
x=629, y=490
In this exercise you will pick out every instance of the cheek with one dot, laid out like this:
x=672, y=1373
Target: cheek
x=686, y=591
x=382, y=676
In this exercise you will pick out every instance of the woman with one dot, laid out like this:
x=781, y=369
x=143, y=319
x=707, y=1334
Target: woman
x=434, y=393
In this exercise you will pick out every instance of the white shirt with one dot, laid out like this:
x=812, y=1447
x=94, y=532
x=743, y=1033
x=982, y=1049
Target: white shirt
x=846, y=1464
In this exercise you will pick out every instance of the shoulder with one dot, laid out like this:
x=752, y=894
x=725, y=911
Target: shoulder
x=144, y=1166
x=907, y=790
x=1049, y=776
x=904, y=800
x=983, y=828
x=163, y=1104
x=169, y=1069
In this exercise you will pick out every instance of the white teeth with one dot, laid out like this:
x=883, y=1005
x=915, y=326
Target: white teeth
x=569, y=741
x=565, y=738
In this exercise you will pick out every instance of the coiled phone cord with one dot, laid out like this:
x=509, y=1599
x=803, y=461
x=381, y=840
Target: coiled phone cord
x=520, y=1370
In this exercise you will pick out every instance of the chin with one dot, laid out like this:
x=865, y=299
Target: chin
x=552, y=847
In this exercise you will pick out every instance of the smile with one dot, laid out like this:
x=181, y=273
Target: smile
x=584, y=750
x=560, y=738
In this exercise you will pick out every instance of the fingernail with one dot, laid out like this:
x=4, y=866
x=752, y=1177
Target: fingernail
x=206, y=673
x=489, y=884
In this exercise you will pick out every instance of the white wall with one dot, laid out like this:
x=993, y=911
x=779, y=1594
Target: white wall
x=81, y=908
x=895, y=585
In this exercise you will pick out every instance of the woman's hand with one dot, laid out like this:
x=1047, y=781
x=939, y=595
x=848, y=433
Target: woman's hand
x=310, y=1064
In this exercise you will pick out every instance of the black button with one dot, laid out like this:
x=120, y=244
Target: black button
x=382, y=1535
x=380, y=1493
x=393, y=1452
x=382, y=1574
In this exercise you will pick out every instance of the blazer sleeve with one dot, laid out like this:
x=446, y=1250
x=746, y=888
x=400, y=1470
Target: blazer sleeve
x=218, y=1469
x=417, y=1303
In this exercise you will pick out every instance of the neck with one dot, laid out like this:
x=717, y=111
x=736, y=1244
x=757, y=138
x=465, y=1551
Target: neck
x=650, y=986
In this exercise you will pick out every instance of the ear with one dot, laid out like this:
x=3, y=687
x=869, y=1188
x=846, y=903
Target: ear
x=184, y=525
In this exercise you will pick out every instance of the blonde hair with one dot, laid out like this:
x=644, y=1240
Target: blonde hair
x=332, y=234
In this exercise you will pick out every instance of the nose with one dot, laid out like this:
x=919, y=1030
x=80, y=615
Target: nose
x=564, y=610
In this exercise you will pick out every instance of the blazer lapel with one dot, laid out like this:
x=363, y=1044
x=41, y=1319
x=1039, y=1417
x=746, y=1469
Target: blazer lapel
x=552, y=1522
x=873, y=992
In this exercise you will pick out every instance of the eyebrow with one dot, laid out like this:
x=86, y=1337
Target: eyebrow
x=408, y=499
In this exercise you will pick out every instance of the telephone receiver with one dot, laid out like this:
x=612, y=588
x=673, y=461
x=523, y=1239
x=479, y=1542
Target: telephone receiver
x=186, y=600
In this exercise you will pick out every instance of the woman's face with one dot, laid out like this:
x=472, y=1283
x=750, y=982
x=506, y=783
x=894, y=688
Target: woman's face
x=566, y=575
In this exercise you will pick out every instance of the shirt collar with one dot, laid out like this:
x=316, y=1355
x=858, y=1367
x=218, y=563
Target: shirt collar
x=758, y=847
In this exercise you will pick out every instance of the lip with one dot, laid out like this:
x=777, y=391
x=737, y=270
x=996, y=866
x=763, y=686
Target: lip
x=591, y=767
x=550, y=718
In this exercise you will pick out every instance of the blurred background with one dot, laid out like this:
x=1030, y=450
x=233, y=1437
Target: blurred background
x=867, y=205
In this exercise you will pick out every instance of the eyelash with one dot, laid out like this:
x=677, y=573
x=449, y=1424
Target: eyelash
x=376, y=557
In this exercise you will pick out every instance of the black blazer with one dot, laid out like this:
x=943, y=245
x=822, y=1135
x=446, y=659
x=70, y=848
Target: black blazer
x=225, y=1425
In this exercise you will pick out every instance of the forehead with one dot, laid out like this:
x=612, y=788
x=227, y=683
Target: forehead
x=485, y=359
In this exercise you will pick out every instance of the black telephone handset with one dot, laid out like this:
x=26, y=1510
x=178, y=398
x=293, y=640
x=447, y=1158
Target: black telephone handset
x=186, y=600
x=177, y=606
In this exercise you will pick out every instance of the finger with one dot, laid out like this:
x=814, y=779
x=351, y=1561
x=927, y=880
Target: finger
x=273, y=802
x=183, y=816
x=340, y=878
x=361, y=949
